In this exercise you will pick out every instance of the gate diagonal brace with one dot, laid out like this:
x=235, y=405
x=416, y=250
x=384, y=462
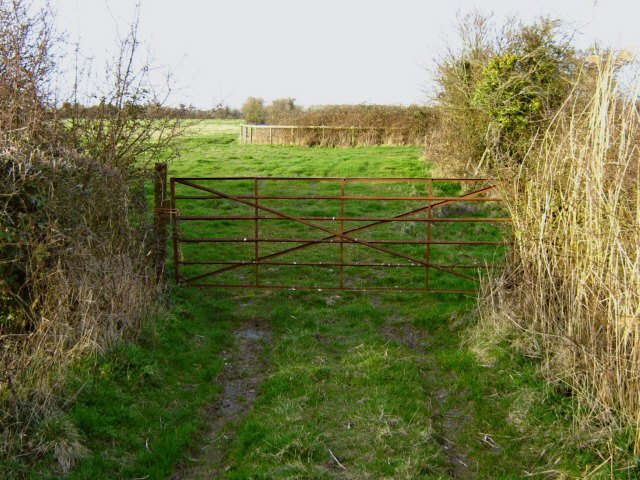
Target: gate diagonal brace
x=327, y=230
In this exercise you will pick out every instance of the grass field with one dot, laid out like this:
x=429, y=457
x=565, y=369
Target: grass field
x=220, y=156
x=356, y=385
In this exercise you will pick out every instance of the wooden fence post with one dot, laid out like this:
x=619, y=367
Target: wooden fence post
x=160, y=218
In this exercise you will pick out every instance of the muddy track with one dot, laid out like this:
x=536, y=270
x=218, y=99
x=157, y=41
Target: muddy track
x=245, y=368
x=449, y=423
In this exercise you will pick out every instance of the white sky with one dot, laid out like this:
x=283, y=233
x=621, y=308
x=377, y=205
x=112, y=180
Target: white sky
x=319, y=51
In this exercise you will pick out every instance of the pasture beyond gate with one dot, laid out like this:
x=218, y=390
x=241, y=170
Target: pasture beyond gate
x=359, y=234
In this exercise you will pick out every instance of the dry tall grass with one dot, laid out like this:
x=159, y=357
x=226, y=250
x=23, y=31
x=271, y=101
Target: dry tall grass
x=574, y=287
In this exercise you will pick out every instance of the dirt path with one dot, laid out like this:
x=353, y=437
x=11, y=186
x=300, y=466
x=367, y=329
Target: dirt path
x=448, y=422
x=244, y=370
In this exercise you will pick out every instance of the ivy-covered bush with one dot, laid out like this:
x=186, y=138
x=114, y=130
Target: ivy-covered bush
x=521, y=88
x=502, y=87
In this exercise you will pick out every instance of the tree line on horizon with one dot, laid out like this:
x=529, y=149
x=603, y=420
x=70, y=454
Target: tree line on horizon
x=182, y=112
x=284, y=111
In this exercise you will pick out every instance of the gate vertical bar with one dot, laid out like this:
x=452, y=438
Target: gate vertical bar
x=428, y=236
x=341, y=231
x=256, y=232
x=174, y=227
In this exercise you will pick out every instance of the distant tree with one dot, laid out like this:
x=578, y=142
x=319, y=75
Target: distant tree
x=283, y=105
x=254, y=110
x=281, y=110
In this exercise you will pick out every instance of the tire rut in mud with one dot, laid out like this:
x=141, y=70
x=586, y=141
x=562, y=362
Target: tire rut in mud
x=245, y=368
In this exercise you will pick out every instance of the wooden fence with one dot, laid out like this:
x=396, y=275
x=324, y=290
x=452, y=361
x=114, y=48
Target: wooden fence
x=328, y=135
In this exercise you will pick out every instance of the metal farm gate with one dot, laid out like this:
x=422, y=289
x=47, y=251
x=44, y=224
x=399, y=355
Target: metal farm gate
x=323, y=233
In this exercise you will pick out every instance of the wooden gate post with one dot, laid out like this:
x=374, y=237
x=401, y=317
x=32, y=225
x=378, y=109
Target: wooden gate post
x=160, y=218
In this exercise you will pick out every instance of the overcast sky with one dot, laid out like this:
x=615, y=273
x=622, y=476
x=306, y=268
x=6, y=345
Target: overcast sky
x=318, y=52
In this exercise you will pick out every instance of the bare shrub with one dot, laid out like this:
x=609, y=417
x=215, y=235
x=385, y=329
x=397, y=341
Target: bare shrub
x=25, y=68
x=128, y=129
x=75, y=270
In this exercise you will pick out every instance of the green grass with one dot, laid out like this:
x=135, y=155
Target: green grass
x=136, y=405
x=361, y=385
x=380, y=382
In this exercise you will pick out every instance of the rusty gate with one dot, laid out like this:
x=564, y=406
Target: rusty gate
x=240, y=230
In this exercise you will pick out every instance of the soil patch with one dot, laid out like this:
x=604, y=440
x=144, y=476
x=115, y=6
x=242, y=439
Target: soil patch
x=245, y=368
x=450, y=423
x=406, y=334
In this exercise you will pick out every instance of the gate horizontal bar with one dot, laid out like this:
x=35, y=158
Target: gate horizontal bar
x=332, y=289
x=339, y=197
x=346, y=219
x=338, y=179
x=328, y=264
x=337, y=241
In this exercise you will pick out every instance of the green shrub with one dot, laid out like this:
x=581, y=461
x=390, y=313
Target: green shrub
x=501, y=87
x=521, y=88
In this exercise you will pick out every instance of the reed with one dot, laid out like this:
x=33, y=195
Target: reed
x=572, y=291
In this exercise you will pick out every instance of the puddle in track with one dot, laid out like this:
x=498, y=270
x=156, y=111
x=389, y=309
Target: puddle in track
x=251, y=334
x=244, y=370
